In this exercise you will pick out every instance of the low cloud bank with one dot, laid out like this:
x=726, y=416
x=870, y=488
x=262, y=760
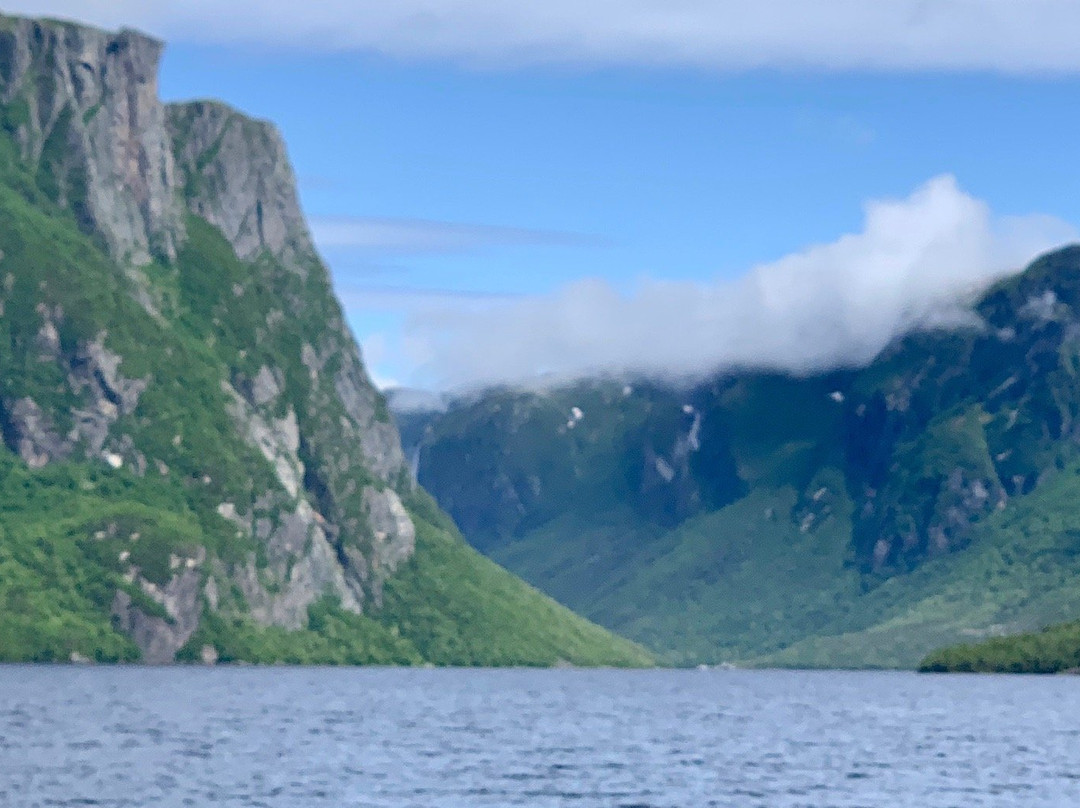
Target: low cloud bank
x=917, y=261
x=1018, y=36
x=418, y=236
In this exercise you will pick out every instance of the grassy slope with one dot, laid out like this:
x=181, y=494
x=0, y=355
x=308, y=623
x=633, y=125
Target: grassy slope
x=1019, y=574
x=724, y=585
x=63, y=528
x=447, y=606
x=739, y=586
x=458, y=607
x=763, y=586
x=721, y=587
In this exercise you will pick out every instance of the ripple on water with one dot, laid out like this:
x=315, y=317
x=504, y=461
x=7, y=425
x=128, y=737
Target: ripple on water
x=246, y=737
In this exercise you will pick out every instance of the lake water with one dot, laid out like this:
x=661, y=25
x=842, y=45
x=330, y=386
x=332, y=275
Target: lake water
x=588, y=739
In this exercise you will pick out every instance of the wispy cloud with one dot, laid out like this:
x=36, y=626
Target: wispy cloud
x=413, y=298
x=996, y=35
x=916, y=260
x=405, y=235
x=374, y=348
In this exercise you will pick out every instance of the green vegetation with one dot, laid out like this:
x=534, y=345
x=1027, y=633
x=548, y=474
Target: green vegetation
x=873, y=516
x=746, y=585
x=1053, y=650
x=332, y=637
x=76, y=532
x=57, y=577
x=448, y=605
x=1017, y=574
x=63, y=530
x=458, y=608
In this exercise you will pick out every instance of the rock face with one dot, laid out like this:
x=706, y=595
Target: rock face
x=158, y=187
x=84, y=108
x=237, y=176
x=92, y=374
x=505, y=463
x=159, y=637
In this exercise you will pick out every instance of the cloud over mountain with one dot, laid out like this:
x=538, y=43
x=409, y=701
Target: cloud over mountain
x=998, y=35
x=916, y=261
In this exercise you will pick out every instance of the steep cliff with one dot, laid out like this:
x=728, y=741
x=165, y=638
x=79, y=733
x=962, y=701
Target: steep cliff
x=82, y=105
x=196, y=463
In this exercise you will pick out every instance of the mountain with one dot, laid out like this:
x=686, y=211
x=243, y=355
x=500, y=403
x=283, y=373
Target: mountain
x=860, y=517
x=195, y=463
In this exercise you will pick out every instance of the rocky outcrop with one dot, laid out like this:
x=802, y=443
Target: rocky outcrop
x=236, y=175
x=158, y=636
x=83, y=106
x=393, y=533
x=301, y=566
x=333, y=533
x=31, y=433
x=91, y=377
x=368, y=427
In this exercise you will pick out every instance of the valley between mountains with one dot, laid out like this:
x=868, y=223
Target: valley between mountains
x=195, y=465
x=856, y=518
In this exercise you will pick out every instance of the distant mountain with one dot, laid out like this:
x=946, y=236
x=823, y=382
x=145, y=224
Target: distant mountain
x=856, y=518
x=195, y=464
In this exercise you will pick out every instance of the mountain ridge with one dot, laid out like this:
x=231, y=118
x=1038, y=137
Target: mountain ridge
x=196, y=464
x=811, y=506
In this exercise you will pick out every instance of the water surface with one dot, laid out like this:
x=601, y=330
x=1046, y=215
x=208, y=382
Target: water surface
x=311, y=738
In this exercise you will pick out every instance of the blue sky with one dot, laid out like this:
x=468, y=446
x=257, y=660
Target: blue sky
x=453, y=187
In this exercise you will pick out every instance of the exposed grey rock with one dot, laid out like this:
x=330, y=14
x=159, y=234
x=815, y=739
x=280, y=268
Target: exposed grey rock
x=99, y=368
x=377, y=438
x=394, y=533
x=94, y=374
x=265, y=387
x=131, y=170
x=239, y=179
x=237, y=176
x=99, y=131
x=47, y=342
x=31, y=433
x=277, y=438
x=159, y=639
x=302, y=567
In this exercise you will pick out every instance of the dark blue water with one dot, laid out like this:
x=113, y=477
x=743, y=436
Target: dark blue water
x=348, y=737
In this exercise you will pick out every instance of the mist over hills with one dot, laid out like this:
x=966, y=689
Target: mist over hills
x=917, y=262
x=851, y=517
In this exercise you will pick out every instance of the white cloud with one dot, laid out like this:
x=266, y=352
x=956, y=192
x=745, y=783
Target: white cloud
x=417, y=298
x=374, y=349
x=406, y=235
x=407, y=399
x=916, y=260
x=997, y=35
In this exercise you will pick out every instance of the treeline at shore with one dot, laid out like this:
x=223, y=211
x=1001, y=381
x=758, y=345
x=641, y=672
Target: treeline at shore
x=1055, y=649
